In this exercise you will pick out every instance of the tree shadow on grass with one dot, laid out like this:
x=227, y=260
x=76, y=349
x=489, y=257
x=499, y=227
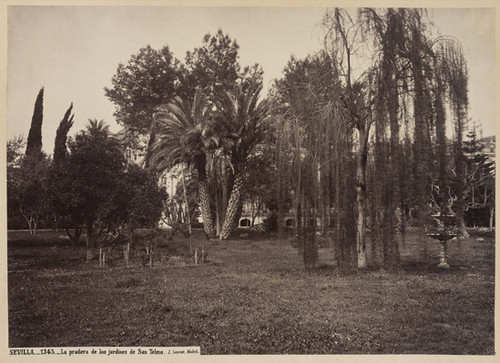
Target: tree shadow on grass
x=326, y=269
x=412, y=267
x=49, y=264
x=30, y=243
x=430, y=268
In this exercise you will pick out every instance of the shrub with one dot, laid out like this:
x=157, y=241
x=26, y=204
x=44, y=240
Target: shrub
x=270, y=224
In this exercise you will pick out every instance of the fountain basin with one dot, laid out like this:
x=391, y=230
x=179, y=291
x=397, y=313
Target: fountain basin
x=442, y=236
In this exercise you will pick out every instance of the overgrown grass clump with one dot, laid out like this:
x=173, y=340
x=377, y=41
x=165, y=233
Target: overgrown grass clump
x=254, y=297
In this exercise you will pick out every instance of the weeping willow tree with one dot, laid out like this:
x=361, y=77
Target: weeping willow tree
x=344, y=45
x=299, y=169
x=451, y=72
x=342, y=170
x=398, y=88
x=313, y=145
x=294, y=156
x=392, y=81
x=327, y=131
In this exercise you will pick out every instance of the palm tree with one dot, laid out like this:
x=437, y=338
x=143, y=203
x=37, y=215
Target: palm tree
x=181, y=140
x=243, y=118
x=95, y=127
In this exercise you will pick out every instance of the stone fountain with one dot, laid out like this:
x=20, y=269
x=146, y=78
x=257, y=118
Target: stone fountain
x=443, y=233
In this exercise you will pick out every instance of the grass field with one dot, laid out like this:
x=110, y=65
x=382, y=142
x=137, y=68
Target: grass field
x=254, y=296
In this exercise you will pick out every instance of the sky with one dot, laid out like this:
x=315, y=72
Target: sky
x=73, y=52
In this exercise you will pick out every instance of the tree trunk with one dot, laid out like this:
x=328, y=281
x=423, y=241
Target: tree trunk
x=255, y=213
x=35, y=224
x=462, y=227
x=232, y=207
x=90, y=240
x=492, y=217
x=421, y=144
x=310, y=255
x=218, y=212
x=239, y=211
x=395, y=158
x=224, y=188
x=186, y=203
x=75, y=238
x=218, y=202
x=361, y=195
x=29, y=219
x=131, y=228
x=323, y=200
x=30, y=224
x=281, y=196
x=204, y=197
x=338, y=246
x=299, y=227
x=460, y=166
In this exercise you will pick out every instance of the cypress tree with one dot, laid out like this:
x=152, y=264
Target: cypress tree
x=34, y=143
x=60, y=149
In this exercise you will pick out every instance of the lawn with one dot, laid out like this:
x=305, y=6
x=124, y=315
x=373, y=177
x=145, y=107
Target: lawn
x=254, y=296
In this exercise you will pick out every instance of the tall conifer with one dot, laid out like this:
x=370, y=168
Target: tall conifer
x=60, y=148
x=34, y=143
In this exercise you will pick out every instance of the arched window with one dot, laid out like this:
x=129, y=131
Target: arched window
x=289, y=222
x=245, y=222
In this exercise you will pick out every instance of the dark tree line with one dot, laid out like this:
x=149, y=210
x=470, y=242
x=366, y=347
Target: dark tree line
x=86, y=186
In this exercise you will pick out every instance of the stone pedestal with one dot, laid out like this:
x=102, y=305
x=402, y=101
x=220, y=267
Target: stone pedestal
x=443, y=235
x=443, y=263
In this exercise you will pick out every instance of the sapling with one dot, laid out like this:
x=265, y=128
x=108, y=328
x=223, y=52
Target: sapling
x=126, y=254
x=100, y=257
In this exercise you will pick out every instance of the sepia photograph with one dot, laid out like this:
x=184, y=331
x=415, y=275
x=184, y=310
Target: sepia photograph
x=306, y=179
